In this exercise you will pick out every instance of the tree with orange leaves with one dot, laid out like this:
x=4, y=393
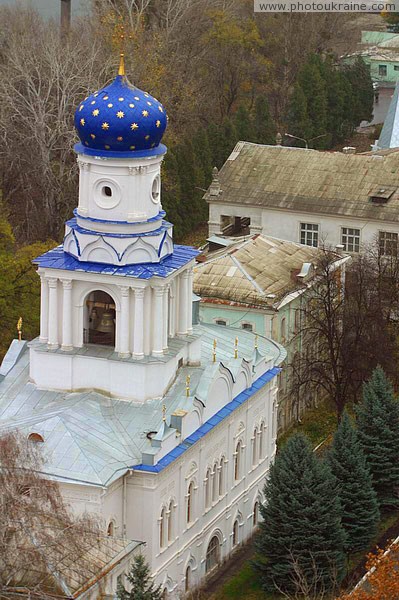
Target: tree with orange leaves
x=382, y=580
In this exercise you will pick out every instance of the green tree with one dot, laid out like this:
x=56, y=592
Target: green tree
x=193, y=208
x=243, y=124
x=301, y=531
x=358, y=499
x=314, y=88
x=171, y=193
x=378, y=427
x=214, y=134
x=358, y=75
x=139, y=578
x=203, y=155
x=228, y=138
x=297, y=119
x=265, y=129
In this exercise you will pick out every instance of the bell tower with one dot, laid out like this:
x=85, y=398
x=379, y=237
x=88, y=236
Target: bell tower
x=116, y=296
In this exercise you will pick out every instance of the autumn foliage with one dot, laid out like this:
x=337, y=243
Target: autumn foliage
x=382, y=583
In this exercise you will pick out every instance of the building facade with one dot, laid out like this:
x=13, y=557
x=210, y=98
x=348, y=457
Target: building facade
x=164, y=429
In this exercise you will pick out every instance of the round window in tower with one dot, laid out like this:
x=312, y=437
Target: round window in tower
x=106, y=194
x=156, y=190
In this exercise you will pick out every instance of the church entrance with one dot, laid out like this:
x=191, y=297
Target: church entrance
x=99, y=320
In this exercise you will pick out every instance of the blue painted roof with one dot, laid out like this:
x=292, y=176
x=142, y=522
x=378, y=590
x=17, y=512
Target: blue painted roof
x=120, y=121
x=210, y=424
x=58, y=259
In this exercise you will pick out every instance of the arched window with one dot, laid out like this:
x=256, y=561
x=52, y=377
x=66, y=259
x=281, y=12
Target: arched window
x=170, y=521
x=35, y=437
x=255, y=447
x=255, y=515
x=212, y=554
x=188, y=579
x=162, y=529
x=111, y=529
x=221, y=476
x=235, y=533
x=237, y=462
x=282, y=330
x=262, y=440
x=208, y=489
x=190, y=502
x=215, y=486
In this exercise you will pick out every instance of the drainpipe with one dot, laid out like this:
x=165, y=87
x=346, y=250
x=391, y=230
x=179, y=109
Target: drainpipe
x=124, y=503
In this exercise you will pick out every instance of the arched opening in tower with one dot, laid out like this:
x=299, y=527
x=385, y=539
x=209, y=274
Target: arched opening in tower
x=99, y=319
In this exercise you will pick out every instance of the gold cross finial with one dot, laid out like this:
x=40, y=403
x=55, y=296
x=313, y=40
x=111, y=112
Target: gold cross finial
x=188, y=385
x=121, y=70
x=19, y=328
x=256, y=341
x=164, y=413
x=236, y=348
x=214, y=350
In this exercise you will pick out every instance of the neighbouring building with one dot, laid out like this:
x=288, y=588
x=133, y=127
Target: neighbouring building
x=382, y=56
x=139, y=421
x=389, y=136
x=260, y=284
x=308, y=196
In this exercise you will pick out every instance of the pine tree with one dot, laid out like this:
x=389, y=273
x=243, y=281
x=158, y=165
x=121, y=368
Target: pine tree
x=243, y=124
x=203, y=155
x=358, y=499
x=171, y=193
x=297, y=119
x=301, y=527
x=358, y=75
x=314, y=88
x=228, y=138
x=214, y=134
x=378, y=427
x=142, y=588
x=265, y=129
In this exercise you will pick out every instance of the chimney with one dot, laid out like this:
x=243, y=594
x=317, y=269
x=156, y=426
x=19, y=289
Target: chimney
x=279, y=139
x=214, y=189
x=349, y=150
x=339, y=249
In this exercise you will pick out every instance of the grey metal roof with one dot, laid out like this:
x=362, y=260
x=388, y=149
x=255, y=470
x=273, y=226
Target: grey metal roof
x=93, y=439
x=300, y=180
x=389, y=136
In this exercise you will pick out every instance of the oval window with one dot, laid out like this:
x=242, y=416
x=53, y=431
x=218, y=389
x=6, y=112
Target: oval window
x=156, y=190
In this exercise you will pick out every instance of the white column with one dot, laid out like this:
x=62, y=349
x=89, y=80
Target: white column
x=183, y=303
x=67, y=315
x=165, y=316
x=138, y=326
x=190, y=301
x=44, y=315
x=157, y=319
x=53, y=313
x=124, y=322
x=172, y=309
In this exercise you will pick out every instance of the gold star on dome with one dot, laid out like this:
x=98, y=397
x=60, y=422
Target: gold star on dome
x=119, y=138
x=136, y=98
x=149, y=103
x=146, y=95
x=158, y=123
x=134, y=126
x=110, y=105
x=105, y=126
x=153, y=144
x=120, y=114
x=107, y=147
x=86, y=143
x=121, y=99
x=93, y=102
x=81, y=107
x=131, y=105
x=147, y=137
x=160, y=108
x=132, y=147
x=105, y=98
x=95, y=112
x=95, y=95
x=93, y=137
x=82, y=122
x=145, y=113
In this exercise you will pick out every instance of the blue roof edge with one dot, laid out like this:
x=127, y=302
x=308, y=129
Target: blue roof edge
x=215, y=420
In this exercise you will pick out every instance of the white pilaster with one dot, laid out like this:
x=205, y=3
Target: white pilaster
x=165, y=316
x=172, y=309
x=67, y=315
x=190, y=301
x=183, y=303
x=138, y=330
x=53, y=313
x=157, y=317
x=124, y=322
x=44, y=314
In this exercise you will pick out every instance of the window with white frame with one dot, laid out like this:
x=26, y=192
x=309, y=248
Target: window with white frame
x=237, y=461
x=190, y=502
x=310, y=234
x=382, y=70
x=254, y=447
x=162, y=527
x=221, y=476
x=207, y=491
x=221, y=322
x=170, y=515
x=247, y=326
x=388, y=242
x=350, y=238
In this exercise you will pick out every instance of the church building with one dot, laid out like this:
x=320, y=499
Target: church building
x=163, y=428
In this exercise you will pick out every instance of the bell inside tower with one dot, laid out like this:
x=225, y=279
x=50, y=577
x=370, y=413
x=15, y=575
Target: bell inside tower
x=100, y=319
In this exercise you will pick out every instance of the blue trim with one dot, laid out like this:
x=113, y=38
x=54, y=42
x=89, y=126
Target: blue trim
x=157, y=217
x=161, y=244
x=157, y=151
x=58, y=259
x=74, y=226
x=210, y=424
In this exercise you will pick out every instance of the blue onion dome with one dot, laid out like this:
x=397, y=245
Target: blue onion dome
x=120, y=121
